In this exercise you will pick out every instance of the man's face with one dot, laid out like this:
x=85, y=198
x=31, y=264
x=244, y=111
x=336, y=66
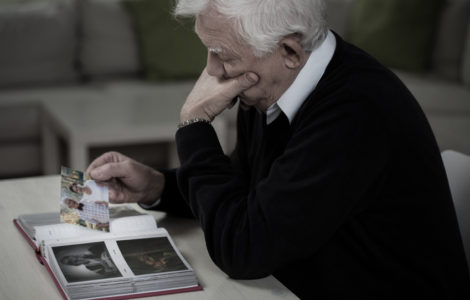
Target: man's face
x=229, y=57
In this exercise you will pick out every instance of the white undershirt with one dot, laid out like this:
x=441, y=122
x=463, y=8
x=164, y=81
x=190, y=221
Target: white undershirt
x=305, y=82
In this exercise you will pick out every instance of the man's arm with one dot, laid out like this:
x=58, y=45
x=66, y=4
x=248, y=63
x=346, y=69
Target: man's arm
x=171, y=200
x=320, y=181
x=128, y=181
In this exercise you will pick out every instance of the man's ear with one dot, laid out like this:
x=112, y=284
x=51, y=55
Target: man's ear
x=292, y=53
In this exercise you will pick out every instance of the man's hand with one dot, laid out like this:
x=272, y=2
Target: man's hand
x=211, y=95
x=127, y=179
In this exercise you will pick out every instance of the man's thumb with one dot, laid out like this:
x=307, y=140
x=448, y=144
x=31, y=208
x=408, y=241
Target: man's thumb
x=247, y=80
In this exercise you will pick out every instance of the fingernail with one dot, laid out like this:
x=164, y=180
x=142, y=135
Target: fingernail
x=252, y=77
x=94, y=174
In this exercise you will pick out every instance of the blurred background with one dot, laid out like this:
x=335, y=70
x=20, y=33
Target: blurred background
x=81, y=77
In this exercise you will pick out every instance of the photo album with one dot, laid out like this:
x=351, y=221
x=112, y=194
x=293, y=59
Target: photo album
x=94, y=251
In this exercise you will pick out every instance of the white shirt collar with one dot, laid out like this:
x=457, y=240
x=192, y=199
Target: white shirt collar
x=305, y=82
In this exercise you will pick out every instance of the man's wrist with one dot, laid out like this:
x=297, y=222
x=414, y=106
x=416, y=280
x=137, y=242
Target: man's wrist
x=192, y=121
x=149, y=205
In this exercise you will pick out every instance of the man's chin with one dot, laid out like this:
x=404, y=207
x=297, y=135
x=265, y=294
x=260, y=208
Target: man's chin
x=242, y=103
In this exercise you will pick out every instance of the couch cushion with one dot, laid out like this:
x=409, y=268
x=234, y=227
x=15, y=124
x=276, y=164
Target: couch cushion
x=108, y=43
x=450, y=40
x=169, y=49
x=38, y=43
x=466, y=59
x=399, y=33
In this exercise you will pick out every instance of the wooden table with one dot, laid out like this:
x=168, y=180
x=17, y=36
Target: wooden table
x=22, y=277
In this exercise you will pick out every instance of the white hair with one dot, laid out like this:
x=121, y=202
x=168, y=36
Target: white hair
x=263, y=23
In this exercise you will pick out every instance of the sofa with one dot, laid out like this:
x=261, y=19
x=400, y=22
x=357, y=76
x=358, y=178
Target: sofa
x=64, y=50
x=68, y=50
x=442, y=88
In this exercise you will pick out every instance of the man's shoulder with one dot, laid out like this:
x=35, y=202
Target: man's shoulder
x=359, y=72
x=353, y=77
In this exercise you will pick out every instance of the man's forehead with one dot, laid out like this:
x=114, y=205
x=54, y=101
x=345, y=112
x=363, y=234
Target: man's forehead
x=215, y=44
x=211, y=24
x=219, y=40
x=207, y=29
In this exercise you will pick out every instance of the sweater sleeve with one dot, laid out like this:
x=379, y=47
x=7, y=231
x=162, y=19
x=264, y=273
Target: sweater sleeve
x=171, y=200
x=322, y=179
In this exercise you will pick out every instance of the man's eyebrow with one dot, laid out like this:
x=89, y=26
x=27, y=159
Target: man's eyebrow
x=216, y=50
x=225, y=52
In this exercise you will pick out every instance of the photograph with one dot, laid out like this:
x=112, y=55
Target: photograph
x=85, y=262
x=150, y=255
x=83, y=201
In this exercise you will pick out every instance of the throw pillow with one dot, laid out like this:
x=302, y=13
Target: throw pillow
x=399, y=33
x=38, y=43
x=108, y=44
x=169, y=48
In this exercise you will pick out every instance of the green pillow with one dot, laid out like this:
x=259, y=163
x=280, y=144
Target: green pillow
x=399, y=33
x=169, y=48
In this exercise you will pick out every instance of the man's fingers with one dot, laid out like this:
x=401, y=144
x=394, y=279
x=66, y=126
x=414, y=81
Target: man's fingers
x=116, y=196
x=108, y=171
x=99, y=161
x=117, y=193
x=247, y=80
x=244, y=81
x=107, y=157
x=211, y=95
x=241, y=83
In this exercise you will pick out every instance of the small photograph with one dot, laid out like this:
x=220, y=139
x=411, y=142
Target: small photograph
x=152, y=255
x=83, y=201
x=84, y=262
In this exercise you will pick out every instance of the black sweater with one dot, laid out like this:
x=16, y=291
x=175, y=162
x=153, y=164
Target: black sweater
x=349, y=200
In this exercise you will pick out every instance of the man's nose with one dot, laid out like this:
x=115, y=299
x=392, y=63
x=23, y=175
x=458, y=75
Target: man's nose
x=214, y=66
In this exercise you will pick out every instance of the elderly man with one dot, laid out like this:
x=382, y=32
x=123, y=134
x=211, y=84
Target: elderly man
x=336, y=185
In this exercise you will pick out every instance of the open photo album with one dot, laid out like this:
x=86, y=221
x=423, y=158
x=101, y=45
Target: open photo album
x=95, y=251
x=134, y=259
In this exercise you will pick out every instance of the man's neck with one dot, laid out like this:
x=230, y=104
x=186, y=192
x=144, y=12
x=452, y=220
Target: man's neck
x=305, y=80
x=290, y=79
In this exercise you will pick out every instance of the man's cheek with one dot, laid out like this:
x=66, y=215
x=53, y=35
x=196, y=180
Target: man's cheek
x=253, y=92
